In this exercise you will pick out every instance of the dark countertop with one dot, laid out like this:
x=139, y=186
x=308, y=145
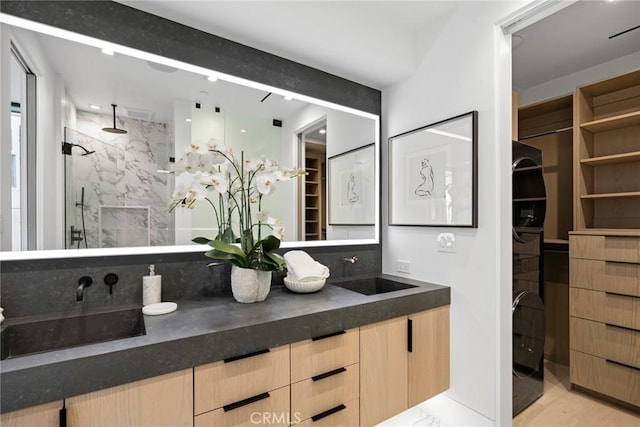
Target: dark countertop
x=203, y=331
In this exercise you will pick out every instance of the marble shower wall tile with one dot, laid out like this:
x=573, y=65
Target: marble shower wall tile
x=122, y=171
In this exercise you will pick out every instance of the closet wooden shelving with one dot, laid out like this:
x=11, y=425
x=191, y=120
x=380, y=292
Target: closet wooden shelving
x=607, y=154
x=314, y=196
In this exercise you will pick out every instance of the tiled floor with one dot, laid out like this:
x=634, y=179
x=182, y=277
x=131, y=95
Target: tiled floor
x=560, y=406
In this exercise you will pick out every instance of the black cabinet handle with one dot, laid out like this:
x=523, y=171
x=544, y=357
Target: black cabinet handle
x=329, y=374
x=333, y=334
x=328, y=412
x=244, y=356
x=410, y=335
x=63, y=417
x=245, y=402
x=622, y=364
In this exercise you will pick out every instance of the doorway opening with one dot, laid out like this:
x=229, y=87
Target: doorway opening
x=312, y=213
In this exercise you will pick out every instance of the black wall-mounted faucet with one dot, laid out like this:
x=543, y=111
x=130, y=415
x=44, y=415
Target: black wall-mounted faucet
x=84, y=282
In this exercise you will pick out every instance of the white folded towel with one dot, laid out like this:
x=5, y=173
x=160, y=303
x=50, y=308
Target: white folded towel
x=301, y=267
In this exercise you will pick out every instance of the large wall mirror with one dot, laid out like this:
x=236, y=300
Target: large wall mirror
x=94, y=191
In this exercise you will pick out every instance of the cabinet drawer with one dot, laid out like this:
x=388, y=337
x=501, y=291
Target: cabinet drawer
x=220, y=383
x=606, y=341
x=347, y=415
x=595, y=373
x=611, y=248
x=325, y=391
x=322, y=354
x=607, y=276
x=270, y=410
x=620, y=310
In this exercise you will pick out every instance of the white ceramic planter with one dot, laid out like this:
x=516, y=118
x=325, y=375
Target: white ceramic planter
x=250, y=285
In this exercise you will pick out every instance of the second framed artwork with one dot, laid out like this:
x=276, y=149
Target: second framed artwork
x=352, y=187
x=433, y=174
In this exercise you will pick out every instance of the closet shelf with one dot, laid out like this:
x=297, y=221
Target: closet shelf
x=632, y=156
x=615, y=122
x=530, y=199
x=629, y=194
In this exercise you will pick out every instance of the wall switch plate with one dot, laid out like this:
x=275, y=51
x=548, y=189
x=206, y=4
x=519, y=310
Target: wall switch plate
x=446, y=242
x=403, y=267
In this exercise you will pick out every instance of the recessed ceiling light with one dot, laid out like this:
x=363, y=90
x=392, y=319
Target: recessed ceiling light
x=243, y=131
x=287, y=98
x=107, y=51
x=187, y=120
x=323, y=131
x=94, y=106
x=212, y=78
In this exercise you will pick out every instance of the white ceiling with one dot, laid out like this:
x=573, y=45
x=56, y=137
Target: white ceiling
x=379, y=43
x=574, y=39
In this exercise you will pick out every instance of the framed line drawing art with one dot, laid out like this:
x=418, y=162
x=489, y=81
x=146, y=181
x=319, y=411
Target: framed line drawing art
x=433, y=174
x=351, y=189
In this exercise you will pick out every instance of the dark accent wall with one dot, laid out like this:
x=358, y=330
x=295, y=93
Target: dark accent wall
x=48, y=286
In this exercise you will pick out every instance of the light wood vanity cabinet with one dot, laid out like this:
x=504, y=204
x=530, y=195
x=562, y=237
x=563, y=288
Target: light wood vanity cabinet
x=605, y=314
x=403, y=361
x=46, y=415
x=325, y=376
x=230, y=391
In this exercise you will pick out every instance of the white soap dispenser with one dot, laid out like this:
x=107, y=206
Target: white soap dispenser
x=151, y=287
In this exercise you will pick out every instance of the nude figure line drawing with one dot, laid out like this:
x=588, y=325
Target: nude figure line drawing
x=425, y=188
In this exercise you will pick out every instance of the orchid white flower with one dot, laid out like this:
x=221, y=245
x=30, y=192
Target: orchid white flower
x=217, y=180
x=265, y=182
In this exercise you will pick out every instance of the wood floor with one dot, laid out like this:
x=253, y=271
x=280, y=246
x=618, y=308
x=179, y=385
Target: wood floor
x=560, y=406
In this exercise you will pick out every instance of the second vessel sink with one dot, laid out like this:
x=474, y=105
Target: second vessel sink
x=22, y=338
x=372, y=285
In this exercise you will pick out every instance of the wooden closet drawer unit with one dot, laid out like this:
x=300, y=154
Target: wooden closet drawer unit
x=612, y=379
x=616, y=309
x=607, y=276
x=609, y=248
x=346, y=415
x=230, y=380
x=531, y=245
x=322, y=354
x=270, y=408
x=606, y=341
x=323, y=392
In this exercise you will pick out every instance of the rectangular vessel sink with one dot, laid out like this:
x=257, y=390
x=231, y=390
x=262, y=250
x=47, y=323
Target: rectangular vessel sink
x=372, y=285
x=29, y=337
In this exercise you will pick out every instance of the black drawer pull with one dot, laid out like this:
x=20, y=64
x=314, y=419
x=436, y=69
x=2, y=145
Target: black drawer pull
x=329, y=374
x=244, y=402
x=410, y=335
x=621, y=295
x=622, y=364
x=621, y=327
x=620, y=262
x=328, y=412
x=333, y=334
x=244, y=356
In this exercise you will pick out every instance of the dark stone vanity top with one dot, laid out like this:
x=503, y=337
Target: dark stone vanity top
x=203, y=331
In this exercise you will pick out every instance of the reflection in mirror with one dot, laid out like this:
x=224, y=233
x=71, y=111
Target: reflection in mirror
x=113, y=190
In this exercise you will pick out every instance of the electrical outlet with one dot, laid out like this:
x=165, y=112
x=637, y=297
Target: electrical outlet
x=403, y=267
x=446, y=242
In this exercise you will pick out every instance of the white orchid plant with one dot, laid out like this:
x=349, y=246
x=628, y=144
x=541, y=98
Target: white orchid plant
x=233, y=187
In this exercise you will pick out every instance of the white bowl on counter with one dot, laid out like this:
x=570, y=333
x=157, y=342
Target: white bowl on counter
x=304, y=286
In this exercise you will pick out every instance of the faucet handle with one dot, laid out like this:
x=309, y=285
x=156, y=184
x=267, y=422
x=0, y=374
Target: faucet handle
x=352, y=260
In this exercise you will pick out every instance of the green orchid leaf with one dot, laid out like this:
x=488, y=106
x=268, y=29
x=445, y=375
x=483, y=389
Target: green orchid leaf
x=200, y=240
x=270, y=243
x=227, y=248
x=227, y=236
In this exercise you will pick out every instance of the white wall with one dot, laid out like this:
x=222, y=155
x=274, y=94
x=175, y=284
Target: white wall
x=566, y=85
x=5, y=139
x=467, y=68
